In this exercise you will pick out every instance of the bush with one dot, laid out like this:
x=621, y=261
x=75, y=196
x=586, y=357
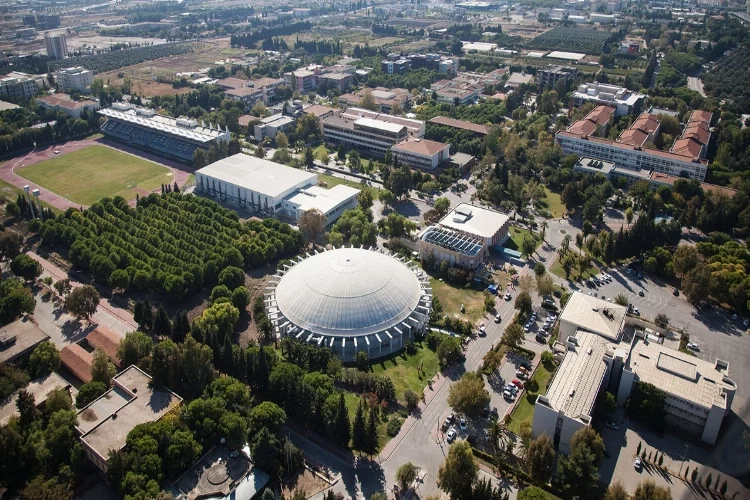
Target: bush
x=547, y=357
x=412, y=399
x=394, y=426
x=88, y=393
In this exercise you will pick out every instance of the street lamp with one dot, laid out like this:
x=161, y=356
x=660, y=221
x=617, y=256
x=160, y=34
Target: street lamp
x=687, y=447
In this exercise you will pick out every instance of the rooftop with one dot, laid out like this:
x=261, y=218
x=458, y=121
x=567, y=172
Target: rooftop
x=78, y=361
x=231, y=83
x=262, y=176
x=325, y=200
x=594, y=314
x=519, y=78
x=219, y=476
x=677, y=373
x=633, y=137
x=65, y=101
x=462, y=124
x=107, y=340
x=393, y=128
x=18, y=338
x=452, y=240
x=39, y=388
x=578, y=379
x=318, y=110
x=481, y=222
x=420, y=146
x=570, y=56
x=591, y=164
x=146, y=118
x=106, y=422
x=687, y=147
x=354, y=113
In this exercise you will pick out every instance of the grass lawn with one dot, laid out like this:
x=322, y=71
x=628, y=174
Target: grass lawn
x=402, y=369
x=517, y=236
x=524, y=412
x=11, y=192
x=320, y=153
x=90, y=174
x=352, y=401
x=553, y=204
x=333, y=181
x=451, y=299
x=575, y=273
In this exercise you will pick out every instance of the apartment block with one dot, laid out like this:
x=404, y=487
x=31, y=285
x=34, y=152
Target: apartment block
x=56, y=45
x=550, y=75
x=76, y=78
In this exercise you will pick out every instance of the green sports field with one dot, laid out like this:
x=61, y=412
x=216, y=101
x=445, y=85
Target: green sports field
x=90, y=174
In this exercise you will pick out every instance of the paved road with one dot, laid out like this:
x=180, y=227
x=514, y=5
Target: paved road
x=696, y=84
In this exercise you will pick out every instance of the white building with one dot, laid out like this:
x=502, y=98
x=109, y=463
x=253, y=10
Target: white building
x=63, y=102
x=421, y=153
x=370, y=132
x=491, y=228
x=272, y=125
x=19, y=85
x=77, y=78
x=624, y=100
x=56, y=45
x=602, y=18
x=272, y=188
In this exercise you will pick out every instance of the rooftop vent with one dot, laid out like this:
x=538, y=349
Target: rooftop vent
x=589, y=350
x=572, y=393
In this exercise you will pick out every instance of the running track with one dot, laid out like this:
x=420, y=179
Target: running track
x=7, y=170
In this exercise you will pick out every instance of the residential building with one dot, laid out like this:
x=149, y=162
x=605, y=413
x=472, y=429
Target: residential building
x=623, y=100
x=64, y=103
x=645, y=129
x=56, y=45
x=76, y=78
x=17, y=85
x=433, y=62
x=370, y=132
x=549, y=76
x=272, y=125
x=104, y=424
x=421, y=153
x=460, y=124
x=489, y=227
x=385, y=99
x=272, y=188
x=19, y=339
x=698, y=393
x=142, y=127
x=304, y=79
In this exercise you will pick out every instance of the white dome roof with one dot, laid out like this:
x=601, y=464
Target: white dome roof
x=348, y=292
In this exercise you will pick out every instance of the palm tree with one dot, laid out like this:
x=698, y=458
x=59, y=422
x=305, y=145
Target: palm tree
x=543, y=231
x=565, y=244
x=497, y=435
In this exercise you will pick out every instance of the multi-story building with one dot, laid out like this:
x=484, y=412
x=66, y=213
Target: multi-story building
x=623, y=100
x=550, y=75
x=56, y=45
x=77, y=78
x=421, y=153
x=369, y=135
x=645, y=129
x=433, y=62
x=247, y=95
x=414, y=128
x=386, y=100
x=397, y=67
x=17, y=85
x=447, y=121
x=304, y=79
x=696, y=135
x=595, y=123
x=339, y=81
x=272, y=125
x=64, y=103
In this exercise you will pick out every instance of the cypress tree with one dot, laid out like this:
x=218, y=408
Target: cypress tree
x=343, y=426
x=241, y=367
x=262, y=371
x=148, y=315
x=162, y=325
x=138, y=313
x=371, y=434
x=359, y=433
x=227, y=361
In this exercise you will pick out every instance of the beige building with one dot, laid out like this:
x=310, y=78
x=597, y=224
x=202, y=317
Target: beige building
x=78, y=78
x=63, y=102
x=421, y=153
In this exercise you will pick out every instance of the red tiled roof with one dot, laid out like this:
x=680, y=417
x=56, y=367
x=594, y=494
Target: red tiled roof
x=245, y=120
x=687, y=147
x=64, y=101
x=583, y=127
x=646, y=122
x=421, y=146
x=462, y=124
x=634, y=137
x=318, y=110
x=700, y=116
x=600, y=115
x=107, y=340
x=698, y=131
x=78, y=361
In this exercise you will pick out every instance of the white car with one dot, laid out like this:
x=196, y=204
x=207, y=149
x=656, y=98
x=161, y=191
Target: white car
x=693, y=347
x=638, y=464
x=507, y=295
x=497, y=318
x=512, y=388
x=482, y=331
x=509, y=395
x=451, y=436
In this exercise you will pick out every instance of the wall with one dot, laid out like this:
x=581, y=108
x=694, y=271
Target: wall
x=713, y=424
x=570, y=426
x=545, y=419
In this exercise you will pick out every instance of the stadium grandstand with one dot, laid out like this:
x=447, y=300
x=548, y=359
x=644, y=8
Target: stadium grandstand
x=178, y=137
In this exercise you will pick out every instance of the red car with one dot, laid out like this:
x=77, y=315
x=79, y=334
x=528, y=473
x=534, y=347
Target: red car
x=517, y=383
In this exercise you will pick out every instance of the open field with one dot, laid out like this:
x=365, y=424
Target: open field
x=402, y=369
x=517, y=235
x=524, y=412
x=574, y=39
x=451, y=299
x=553, y=204
x=90, y=174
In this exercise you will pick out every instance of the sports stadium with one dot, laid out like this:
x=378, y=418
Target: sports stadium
x=350, y=300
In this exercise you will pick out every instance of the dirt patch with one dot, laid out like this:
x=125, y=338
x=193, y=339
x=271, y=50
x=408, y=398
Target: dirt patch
x=305, y=481
x=88, y=415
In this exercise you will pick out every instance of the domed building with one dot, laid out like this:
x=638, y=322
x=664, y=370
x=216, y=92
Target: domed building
x=350, y=300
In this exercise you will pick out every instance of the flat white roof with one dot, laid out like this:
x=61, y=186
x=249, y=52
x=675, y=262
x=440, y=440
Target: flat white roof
x=163, y=124
x=572, y=56
x=579, y=376
x=322, y=199
x=677, y=373
x=378, y=124
x=262, y=176
x=479, y=221
x=479, y=46
x=594, y=315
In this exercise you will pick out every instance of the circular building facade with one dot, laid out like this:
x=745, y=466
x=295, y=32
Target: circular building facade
x=349, y=300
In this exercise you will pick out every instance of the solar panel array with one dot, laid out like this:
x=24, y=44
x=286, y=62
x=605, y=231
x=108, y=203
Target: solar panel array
x=454, y=241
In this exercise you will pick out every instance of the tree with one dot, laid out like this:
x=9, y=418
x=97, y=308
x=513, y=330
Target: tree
x=312, y=223
x=355, y=163
x=265, y=449
x=83, y=301
x=199, y=158
x=232, y=277
x=119, y=280
x=102, y=369
x=621, y=300
x=684, y=260
x=260, y=152
x=527, y=283
x=545, y=285
x=541, y=459
x=578, y=473
x=406, y=475
x=489, y=302
x=63, y=287
x=12, y=209
x=367, y=101
x=266, y=415
x=371, y=433
x=44, y=360
x=528, y=245
x=448, y=350
x=359, y=431
x=661, y=320
x=25, y=267
x=162, y=326
x=411, y=399
x=133, y=348
x=468, y=395
x=457, y=474
x=282, y=142
x=365, y=199
x=648, y=490
x=241, y=298
x=342, y=425
x=41, y=489
x=629, y=215
x=513, y=336
x=309, y=157
x=10, y=243
x=523, y=302
x=387, y=198
x=532, y=493
x=616, y=492
x=26, y=406
x=341, y=153
x=88, y=393
x=442, y=205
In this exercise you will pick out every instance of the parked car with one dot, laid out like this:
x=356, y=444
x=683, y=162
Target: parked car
x=507, y=295
x=509, y=395
x=521, y=374
x=640, y=293
x=482, y=331
x=517, y=383
x=540, y=338
x=526, y=365
x=462, y=423
x=638, y=464
x=451, y=436
x=497, y=318
x=746, y=322
x=693, y=347
x=57, y=151
x=675, y=292
x=512, y=388
x=613, y=425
